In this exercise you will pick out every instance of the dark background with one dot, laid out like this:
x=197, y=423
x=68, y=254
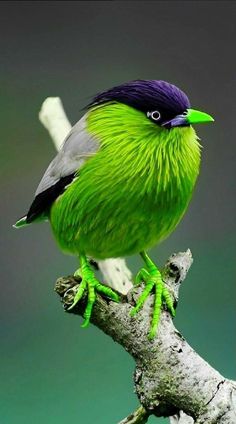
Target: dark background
x=52, y=371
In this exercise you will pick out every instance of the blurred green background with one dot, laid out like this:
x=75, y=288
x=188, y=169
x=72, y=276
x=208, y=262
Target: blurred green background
x=52, y=371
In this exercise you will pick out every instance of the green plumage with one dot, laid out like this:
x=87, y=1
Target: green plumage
x=133, y=191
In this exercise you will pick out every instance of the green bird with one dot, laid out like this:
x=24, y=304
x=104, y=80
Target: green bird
x=121, y=183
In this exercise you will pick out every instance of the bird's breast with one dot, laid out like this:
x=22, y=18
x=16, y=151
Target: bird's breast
x=127, y=198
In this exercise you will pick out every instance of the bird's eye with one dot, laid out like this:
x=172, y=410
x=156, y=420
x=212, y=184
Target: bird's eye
x=185, y=113
x=155, y=115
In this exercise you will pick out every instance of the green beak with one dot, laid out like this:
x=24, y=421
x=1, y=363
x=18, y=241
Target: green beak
x=196, y=117
x=191, y=116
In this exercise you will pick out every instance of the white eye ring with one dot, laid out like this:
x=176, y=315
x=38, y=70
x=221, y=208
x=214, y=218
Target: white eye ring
x=155, y=115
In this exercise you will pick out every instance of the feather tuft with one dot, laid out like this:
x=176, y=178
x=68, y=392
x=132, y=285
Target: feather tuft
x=22, y=222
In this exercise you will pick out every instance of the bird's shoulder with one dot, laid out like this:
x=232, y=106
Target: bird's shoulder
x=77, y=148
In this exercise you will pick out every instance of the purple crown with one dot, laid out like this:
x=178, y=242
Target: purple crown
x=147, y=96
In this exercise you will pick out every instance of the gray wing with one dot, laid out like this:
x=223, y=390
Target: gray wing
x=77, y=147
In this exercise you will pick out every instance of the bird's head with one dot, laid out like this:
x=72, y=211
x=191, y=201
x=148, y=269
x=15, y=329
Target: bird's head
x=161, y=102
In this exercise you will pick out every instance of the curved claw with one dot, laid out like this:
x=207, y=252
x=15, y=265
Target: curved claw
x=89, y=307
x=78, y=295
x=78, y=274
x=86, y=323
x=156, y=308
x=152, y=278
x=108, y=292
x=142, y=298
x=92, y=285
x=168, y=300
x=141, y=276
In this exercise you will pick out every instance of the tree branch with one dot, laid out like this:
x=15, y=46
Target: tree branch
x=54, y=119
x=169, y=376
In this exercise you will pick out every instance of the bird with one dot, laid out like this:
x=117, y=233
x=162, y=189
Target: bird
x=121, y=183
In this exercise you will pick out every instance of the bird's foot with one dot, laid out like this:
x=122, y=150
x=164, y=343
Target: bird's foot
x=93, y=286
x=152, y=278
